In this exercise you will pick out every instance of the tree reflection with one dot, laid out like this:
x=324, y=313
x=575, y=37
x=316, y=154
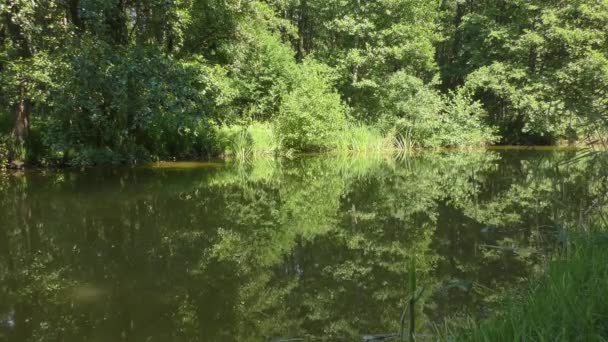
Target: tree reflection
x=312, y=247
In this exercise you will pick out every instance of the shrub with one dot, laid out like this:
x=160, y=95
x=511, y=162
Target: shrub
x=463, y=123
x=263, y=71
x=311, y=115
x=411, y=109
x=128, y=104
x=420, y=116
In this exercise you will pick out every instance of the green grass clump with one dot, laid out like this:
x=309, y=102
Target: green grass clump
x=245, y=141
x=361, y=138
x=258, y=138
x=262, y=135
x=254, y=139
x=569, y=302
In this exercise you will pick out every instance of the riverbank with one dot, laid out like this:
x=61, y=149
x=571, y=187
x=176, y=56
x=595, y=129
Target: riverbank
x=568, y=302
x=240, y=142
x=255, y=140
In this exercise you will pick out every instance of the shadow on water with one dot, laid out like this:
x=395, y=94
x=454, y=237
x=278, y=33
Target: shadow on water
x=313, y=248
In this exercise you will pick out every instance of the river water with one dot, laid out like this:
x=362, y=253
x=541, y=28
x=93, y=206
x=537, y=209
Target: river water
x=317, y=247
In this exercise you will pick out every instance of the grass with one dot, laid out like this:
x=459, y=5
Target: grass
x=263, y=139
x=256, y=139
x=244, y=142
x=569, y=302
x=359, y=138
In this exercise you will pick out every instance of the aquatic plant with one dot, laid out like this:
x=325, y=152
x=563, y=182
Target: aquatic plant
x=567, y=302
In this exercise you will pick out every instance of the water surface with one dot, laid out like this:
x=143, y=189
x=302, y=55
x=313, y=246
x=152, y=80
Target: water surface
x=312, y=248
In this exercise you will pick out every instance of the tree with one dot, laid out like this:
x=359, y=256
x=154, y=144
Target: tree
x=514, y=56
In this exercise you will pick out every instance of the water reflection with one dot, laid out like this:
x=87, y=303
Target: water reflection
x=316, y=247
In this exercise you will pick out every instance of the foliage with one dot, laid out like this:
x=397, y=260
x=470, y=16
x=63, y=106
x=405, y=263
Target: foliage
x=463, y=122
x=139, y=80
x=312, y=115
x=529, y=63
x=34, y=75
x=131, y=108
x=426, y=118
x=264, y=69
x=366, y=41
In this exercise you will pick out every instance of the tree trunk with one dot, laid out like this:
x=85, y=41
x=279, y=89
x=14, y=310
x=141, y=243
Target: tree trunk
x=22, y=120
x=3, y=36
x=302, y=31
x=117, y=22
x=20, y=41
x=73, y=10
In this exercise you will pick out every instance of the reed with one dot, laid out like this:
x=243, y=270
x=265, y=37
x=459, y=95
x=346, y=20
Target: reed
x=360, y=138
x=568, y=302
x=243, y=142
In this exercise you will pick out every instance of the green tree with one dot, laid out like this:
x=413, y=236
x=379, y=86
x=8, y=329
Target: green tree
x=519, y=58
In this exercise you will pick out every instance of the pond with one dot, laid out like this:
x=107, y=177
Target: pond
x=317, y=247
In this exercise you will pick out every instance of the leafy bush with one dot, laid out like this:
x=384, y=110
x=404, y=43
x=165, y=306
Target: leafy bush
x=129, y=104
x=462, y=123
x=412, y=109
x=311, y=115
x=525, y=110
x=420, y=116
x=263, y=69
x=90, y=156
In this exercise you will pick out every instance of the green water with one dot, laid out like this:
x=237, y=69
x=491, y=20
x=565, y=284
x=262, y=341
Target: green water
x=312, y=248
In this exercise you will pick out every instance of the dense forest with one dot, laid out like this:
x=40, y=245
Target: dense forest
x=87, y=82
